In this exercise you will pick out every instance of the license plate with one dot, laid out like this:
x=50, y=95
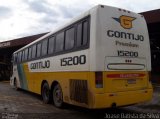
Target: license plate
x=131, y=81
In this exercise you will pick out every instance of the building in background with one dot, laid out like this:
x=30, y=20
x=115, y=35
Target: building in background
x=153, y=23
x=6, y=50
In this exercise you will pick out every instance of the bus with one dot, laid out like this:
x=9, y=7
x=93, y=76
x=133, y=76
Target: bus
x=100, y=59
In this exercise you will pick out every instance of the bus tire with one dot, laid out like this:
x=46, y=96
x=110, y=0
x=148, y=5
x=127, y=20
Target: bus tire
x=57, y=96
x=46, y=93
x=15, y=84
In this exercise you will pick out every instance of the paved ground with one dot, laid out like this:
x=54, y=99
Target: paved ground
x=24, y=105
x=21, y=104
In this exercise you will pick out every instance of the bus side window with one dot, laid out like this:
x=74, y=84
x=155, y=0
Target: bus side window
x=22, y=55
x=15, y=58
x=79, y=35
x=44, y=47
x=38, y=49
x=26, y=54
x=30, y=53
x=59, y=42
x=19, y=57
x=82, y=33
x=34, y=51
x=85, y=33
x=51, y=45
x=69, y=38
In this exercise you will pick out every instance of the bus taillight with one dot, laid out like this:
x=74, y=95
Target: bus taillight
x=99, y=79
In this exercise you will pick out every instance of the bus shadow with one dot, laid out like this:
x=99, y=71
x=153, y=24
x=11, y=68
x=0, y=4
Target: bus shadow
x=30, y=94
x=94, y=113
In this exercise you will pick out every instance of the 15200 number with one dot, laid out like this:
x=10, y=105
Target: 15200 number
x=76, y=60
x=127, y=53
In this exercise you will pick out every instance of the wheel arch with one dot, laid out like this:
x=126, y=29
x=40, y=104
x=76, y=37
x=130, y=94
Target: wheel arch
x=54, y=83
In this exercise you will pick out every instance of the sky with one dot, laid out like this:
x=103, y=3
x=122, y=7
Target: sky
x=20, y=18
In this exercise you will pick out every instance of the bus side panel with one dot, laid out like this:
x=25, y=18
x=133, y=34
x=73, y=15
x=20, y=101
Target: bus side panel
x=75, y=86
x=22, y=76
x=34, y=80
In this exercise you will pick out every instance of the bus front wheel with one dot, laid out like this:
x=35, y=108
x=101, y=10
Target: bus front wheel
x=15, y=84
x=45, y=93
x=57, y=96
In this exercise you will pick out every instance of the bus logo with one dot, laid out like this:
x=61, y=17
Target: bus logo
x=125, y=21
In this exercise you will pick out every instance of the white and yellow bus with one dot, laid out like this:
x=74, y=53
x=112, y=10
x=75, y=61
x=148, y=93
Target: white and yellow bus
x=100, y=59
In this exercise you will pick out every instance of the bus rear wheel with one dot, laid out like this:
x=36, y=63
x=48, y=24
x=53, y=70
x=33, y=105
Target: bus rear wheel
x=46, y=93
x=57, y=96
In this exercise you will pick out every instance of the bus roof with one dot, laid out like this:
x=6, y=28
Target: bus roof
x=65, y=25
x=59, y=28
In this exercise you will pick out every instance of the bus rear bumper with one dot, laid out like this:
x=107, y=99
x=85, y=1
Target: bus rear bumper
x=117, y=99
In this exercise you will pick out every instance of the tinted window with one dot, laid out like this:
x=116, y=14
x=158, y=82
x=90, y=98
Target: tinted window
x=82, y=33
x=30, y=53
x=15, y=57
x=69, y=38
x=79, y=35
x=34, y=51
x=44, y=47
x=23, y=55
x=39, y=50
x=85, y=33
x=51, y=45
x=19, y=56
x=26, y=54
x=60, y=42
